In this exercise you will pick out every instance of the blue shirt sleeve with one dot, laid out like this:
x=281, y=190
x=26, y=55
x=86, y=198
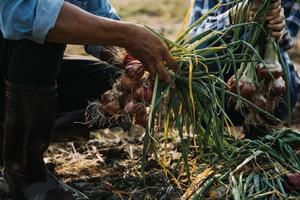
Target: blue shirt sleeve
x=100, y=8
x=28, y=19
x=32, y=19
x=217, y=20
x=292, y=19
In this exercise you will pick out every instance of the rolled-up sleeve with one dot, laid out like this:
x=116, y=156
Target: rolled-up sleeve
x=100, y=8
x=42, y=23
x=28, y=19
x=292, y=13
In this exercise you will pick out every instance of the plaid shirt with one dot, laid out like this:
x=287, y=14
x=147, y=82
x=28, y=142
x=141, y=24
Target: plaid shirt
x=219, y=19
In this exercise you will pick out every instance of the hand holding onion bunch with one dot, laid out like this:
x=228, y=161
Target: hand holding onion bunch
x=275, y=18
x=262, y=83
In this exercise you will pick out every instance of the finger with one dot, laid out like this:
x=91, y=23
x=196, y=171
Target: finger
x=278, y=35
x=277, y=14
x=277, y=27
x=274, y=12
x=171, y=63
x=273, y=17
x=277, y=20
x=150, y=69
x=168, y=58
x=162, y=72
x=275, y=4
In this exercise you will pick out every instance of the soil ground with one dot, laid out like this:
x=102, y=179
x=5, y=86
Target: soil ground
x=108, y=166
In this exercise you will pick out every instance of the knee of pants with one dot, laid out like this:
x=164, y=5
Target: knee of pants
x=34, y=64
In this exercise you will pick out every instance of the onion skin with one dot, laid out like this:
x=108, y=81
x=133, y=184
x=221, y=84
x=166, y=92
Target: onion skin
x=272, y=65
x=139, y=112
x=141, y=120
x=128, y=58
x=139, y=109
x=129, y=107
x=112, y=108
x=127, y=84
x=277, y=88
x=294, y=180
x=107, y=97
x=247, y=89
x=134, y=70
x=231, y=84
x=260, y=101
x=144, y=93
x=117, y=85
x=271, y=69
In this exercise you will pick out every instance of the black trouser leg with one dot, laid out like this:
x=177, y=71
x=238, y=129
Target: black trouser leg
x=30, y=112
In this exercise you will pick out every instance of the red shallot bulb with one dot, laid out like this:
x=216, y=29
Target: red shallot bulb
x=113, y=107
x=126, y=83
x=129, y=107
x=107, y=97
x=277, y=88
x=139, y=109
x=247, y=89
x=134, y=70
x=128, y=58
x=294, y=180
x=141, y=120
x=144, y=93
x=269, y=70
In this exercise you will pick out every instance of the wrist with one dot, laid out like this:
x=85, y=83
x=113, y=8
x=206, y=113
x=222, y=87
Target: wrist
x=127, y=30
x=112, y=33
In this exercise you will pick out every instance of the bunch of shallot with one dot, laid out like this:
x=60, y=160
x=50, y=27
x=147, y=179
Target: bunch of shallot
x=261, y=84
x=131, y=94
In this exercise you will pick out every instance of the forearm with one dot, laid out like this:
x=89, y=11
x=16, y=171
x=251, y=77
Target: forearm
x=75, y=26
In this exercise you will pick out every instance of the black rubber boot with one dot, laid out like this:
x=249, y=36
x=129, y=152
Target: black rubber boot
x=29, y=119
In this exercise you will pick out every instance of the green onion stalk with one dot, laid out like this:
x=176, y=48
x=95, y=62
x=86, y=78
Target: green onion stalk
x=195, y=99
x=267, y=168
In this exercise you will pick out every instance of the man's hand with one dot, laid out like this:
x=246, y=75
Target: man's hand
x=150, y=50
x=276, y=20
